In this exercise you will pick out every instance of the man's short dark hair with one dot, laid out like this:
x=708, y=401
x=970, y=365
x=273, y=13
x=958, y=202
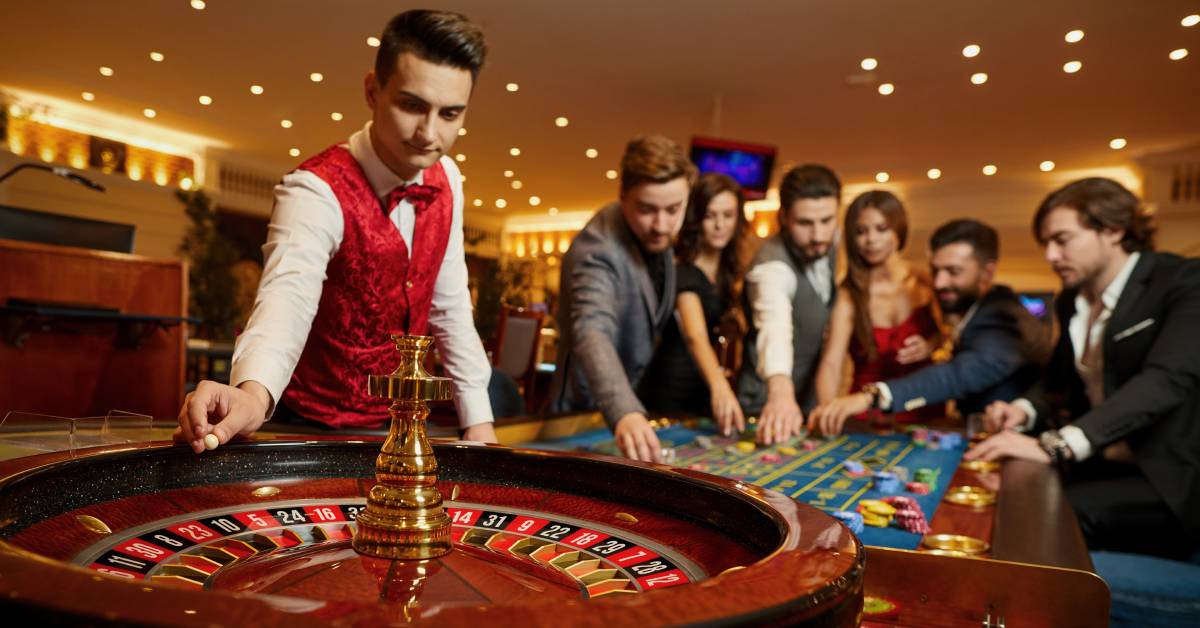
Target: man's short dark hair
x=807, y=181
x=441, y=37
x=1102, y=204
x=654, y=159
x=981, y=237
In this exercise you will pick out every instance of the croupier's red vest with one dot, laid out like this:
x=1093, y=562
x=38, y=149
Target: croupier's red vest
x=372, y=288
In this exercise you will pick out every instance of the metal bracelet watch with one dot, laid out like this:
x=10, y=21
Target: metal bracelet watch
x=1055, y=446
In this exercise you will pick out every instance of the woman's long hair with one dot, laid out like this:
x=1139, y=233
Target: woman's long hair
x=731, y=266
x=858, y=272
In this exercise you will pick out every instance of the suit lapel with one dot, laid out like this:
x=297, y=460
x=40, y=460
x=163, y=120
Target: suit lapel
x=639, y=268
x=1124, y=314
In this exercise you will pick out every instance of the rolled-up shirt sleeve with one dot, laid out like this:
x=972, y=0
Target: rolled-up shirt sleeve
x=771, y=287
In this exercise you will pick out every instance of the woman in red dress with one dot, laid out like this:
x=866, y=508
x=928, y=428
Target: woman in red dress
x=883, y=317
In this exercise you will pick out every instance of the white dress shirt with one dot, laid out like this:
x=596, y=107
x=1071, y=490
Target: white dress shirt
x=304, y=233
x=1081, y=335
x=772, y=288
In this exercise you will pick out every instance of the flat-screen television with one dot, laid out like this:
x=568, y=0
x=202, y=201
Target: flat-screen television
x=749, y=164
x=34, y=226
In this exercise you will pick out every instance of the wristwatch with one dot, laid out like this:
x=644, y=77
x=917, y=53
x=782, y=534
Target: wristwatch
x=871, y=390
x=1055, y=446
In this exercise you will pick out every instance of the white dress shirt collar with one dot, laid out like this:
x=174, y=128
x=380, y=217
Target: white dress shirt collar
x=1111, y=294
x=381, y=178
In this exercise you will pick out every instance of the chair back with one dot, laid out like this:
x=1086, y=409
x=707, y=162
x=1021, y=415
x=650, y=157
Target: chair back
x=517, y=342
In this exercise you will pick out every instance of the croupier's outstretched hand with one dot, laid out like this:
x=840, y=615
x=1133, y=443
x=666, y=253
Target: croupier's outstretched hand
x=223, y=411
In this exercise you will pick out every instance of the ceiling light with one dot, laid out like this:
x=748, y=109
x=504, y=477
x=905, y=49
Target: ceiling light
x=508, y=174
x=553, y=211
x=1178, y=54
x=516, y=184
x=1074, y=36
x=186, y=183
x=1117, y=143
x=295, y=152
x=1046, y=166
x=868, y=64
x=886, y=89
x=515, y=152
x=462, y=131
x=477, y=202
x=287, y=124
x=534, y=201
x=1072, y=67
x=316, y=77
x=512, y=87
x=501, y=203
x=882, y=177
x=979, y=78
x=934, y=173
x=611, y=174
x=335, y=116
x=205, y=100
x=462, y=178
x=460, y=158
x=88, y=96
x=149, y=113
x=157, y=57
x=971, y=50
x=256, y=89
x=989, y=170
x=561, y=121
x=1190, y=20
x=198, y=5
x=373, y=42
x=591, y=153
x=106, y=71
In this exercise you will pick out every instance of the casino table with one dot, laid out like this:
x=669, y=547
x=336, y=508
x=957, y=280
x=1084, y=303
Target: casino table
x=257, y=533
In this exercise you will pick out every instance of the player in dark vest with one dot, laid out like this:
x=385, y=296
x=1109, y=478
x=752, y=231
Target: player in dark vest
x=365, y=241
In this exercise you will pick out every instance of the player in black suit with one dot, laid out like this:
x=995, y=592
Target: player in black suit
x=1119, y=405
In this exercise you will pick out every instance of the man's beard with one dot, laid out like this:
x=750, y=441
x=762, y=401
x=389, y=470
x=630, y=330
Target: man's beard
x=960, y=305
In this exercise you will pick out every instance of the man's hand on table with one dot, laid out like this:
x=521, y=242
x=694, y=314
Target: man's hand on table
x=223, y=411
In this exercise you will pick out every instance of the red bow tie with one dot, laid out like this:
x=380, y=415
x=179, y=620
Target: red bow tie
x=420, y=196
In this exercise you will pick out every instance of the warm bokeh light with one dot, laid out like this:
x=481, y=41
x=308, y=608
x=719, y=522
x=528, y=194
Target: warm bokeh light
x=561, y=121
x=979, y=78
x=989, y=170
x=501, y=203
x=1190, y=21
x=886, y=89
x=516, y=184
x=316, y=77
x=373, y=42
x=512, y=87
x=868, y=64
x=515, y=152
x=971, y=50
x=882, y=177
x=88, y=96
x=934, y=173
x=106, y=71
x=611, y=174
x=1178, y=54
x=285, y=123
x=198, y=5
x=335, y=116
x=157, y=57
x=1074, y=37
x=149, y=113
x=1117, y=143
x=508, y=174
x=1046, y=166
x=256, y=90
x=477, y=202
x=534, y=201
x=1072, y=67
x=462, y=131
x=460, y=158
x=295, y=152
x=205, y=100
x=591, y=153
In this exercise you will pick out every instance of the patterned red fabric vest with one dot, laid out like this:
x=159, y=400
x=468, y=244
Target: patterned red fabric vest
x=372, y=288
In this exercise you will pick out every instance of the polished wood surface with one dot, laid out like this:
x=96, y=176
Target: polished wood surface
x=74, y=368
x=800, y=566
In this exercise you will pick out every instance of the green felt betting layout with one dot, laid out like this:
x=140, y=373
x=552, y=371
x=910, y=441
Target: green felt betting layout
x=815, y=476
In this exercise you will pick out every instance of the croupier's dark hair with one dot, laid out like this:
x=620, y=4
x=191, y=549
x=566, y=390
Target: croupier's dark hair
x=1102, y=204
x=982, y=238
x=807, y=181
x=441, y=37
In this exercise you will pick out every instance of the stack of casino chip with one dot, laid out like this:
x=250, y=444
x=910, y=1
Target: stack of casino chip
x=908, y=515
x=917, y=488
x=876, y=512
x=853, y=520
x=925, y=476
x=886, y=482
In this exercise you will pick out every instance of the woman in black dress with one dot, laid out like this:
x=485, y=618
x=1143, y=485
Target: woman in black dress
x=685, y=375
